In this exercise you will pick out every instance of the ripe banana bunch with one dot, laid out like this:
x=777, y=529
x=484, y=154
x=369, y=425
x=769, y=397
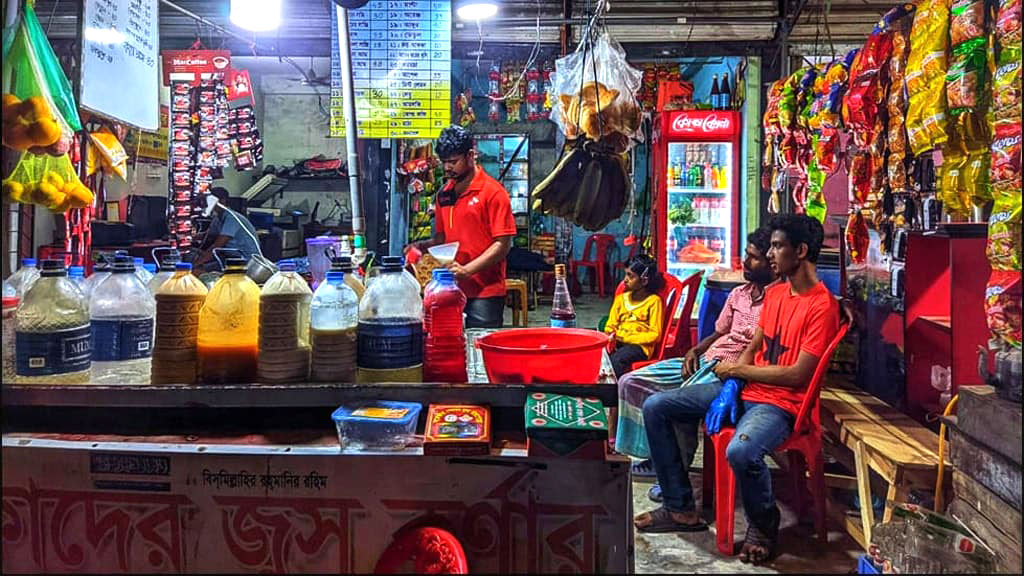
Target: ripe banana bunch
x=588, y=187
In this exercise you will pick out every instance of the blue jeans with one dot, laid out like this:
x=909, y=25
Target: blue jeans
x=761, y=429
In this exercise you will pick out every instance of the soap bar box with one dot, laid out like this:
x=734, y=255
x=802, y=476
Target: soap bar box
x=559, y=426
x=457, y=430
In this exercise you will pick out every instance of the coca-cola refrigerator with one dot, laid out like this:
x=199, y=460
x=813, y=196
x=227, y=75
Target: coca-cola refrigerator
x=697, y=213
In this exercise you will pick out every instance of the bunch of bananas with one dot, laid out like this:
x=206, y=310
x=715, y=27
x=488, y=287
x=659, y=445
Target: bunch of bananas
x=588, y=186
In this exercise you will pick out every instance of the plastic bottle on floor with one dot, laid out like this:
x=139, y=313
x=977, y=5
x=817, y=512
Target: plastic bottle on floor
x=122, y=313
x=53, y=342
x=333, y=332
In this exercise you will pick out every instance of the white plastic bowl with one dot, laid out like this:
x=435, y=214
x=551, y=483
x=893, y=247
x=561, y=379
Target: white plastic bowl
x=445, y=253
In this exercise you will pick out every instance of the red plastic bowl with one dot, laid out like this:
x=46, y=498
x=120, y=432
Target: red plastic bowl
x=543, y=355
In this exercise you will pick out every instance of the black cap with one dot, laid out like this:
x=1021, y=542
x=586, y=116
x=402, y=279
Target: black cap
x=342, y=263
x=170, y=260
x=392, y=263
x=53, y=267
x=234, y=264
x=123, y=264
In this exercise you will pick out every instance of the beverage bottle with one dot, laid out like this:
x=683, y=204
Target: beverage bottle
x=390, y=345
x=563, y=315
x=77, y=275
x=122, y=313
x=10, y=326
x=100, y=272
x=53, y=342
x=725, y=98
x=444, y=352
x=229, y=322
x=709, y=180
x=333, y=329
x=698, y=175
x=284, y=326
x=178, y=302
x=168, y=267
x=23, y=279
x=714, y=100
x=716, y=242
x=344, y=264
x=682, y=179
x=140, y=270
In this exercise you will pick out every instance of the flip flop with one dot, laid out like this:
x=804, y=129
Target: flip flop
x=654, y=494
x=643, y=469
x=663, y=523
x=766, y=540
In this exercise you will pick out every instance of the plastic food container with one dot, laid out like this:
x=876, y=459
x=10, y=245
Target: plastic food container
x=543, y=355
x=380, y=425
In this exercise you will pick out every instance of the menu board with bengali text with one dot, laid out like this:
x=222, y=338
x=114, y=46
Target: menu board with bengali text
x=401, y=68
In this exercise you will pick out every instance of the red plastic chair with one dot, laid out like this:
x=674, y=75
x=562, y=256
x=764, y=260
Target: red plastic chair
x=621, y=265
x=675, y=340
x=805, y=441
x=599, y=265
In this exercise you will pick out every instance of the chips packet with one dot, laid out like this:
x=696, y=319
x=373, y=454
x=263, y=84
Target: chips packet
x=1003, y=306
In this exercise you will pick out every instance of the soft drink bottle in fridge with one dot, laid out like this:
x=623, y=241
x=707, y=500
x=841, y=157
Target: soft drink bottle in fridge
x=229, y=324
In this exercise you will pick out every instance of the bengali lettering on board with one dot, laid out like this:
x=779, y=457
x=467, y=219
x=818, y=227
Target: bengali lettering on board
x=401, y=69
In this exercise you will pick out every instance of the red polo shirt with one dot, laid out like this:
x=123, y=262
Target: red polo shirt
x=480, y=215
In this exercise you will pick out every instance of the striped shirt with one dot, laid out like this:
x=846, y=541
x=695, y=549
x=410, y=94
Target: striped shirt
x=738, y=322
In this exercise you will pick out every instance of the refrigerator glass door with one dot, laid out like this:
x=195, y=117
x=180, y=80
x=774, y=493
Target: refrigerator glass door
x=700, y=221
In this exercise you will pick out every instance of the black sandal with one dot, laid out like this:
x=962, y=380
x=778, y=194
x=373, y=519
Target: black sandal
x=662, y=522
x=764, y=540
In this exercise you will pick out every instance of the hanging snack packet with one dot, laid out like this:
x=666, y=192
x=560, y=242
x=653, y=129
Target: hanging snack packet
x=965, y=80
x=967, y=21
x=860, y=178
x=1008, y=23
x=1006, y=90
x=928, y=43
x=952, y=189
x=1004, y=227
x=1006, y=152
x=1003, y=306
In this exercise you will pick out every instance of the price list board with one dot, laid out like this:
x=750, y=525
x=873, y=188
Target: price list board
x=401, y=69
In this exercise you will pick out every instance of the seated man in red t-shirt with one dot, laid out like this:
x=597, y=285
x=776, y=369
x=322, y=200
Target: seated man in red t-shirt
x=798, y=320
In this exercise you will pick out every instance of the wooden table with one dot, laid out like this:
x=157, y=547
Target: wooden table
x=883, y=439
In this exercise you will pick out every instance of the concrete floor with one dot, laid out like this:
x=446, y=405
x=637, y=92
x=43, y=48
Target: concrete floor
x=799, y=548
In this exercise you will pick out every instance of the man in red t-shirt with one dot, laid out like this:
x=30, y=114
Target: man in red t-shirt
x=799, y=318
x=474, y=210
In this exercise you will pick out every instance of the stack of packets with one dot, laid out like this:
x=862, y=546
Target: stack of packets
x=560, y=426
x=457, y=430
x=1003, y=294
x=918, y=541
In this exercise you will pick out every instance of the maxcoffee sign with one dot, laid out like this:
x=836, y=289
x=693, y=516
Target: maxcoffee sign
x=193, y=65
x=702, y=123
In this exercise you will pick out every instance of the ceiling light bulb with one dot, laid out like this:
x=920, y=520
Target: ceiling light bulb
x=476, y=10
x=256, y=15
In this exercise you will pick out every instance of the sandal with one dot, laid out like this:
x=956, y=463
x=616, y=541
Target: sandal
x=759, y=545
x=662, y=523
x=643, y=469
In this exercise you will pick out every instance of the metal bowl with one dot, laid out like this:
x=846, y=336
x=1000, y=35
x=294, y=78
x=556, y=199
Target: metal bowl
x=260, y=269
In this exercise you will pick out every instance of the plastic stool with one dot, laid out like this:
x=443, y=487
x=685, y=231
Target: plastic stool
x=520, y=313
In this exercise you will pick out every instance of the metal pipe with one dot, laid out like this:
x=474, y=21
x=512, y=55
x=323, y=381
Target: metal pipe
x=349, y=107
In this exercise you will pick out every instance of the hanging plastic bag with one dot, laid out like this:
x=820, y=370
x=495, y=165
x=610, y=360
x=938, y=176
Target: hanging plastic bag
x=49, y=181
x=107, y=151
x=596, y=91
x=39, y=111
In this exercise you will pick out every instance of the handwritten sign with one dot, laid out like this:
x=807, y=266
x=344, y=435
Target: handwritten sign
x=401, y=68
x=120, y=44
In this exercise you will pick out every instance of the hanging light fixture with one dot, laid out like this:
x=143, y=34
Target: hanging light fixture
x=476, y=9
x=256, y=15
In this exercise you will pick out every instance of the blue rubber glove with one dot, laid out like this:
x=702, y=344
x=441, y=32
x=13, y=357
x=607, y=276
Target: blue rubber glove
x=725, y=408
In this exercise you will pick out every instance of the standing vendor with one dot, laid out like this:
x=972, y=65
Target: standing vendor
x=228, y=230
x=474, y=210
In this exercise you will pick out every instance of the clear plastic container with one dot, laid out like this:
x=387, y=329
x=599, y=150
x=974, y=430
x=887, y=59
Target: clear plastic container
x=316, y=251
x=178, y=301
x=563, y=314
x=284, y=326
x=25, y=277
x=229, y=325
x=444, y=352
x=53, y=339
x=142, y=272
x=335, y=317
x=10, y=325
x=122, y=313
x=344, y=264
x=77, y=275
x=381, y=425
x=166, y=271
x=100, y=272
x=391, y=328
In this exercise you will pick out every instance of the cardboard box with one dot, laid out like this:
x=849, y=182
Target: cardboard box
x=560, y=426
x=457, y=430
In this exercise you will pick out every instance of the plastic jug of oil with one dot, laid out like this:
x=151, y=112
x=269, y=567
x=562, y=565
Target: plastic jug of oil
x=284, y=326
x=229, y=324
x=335, y=316
x=178, y=301
x=391, y=328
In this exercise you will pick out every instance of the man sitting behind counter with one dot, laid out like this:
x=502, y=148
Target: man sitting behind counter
x=228, y=230
x=474, y=210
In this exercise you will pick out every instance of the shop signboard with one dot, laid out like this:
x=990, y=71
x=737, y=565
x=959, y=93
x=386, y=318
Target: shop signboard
x=702, y=123
x=74, y=504
x=401, y=68
x=194, y=65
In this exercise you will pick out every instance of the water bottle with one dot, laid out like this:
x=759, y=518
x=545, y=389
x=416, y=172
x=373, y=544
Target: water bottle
x=444, y=353
x=122, y=312
x=77, y=275
x=25, y=277
x=390, y=346
x=10, y=326
x=563, y=315
x=178, y=301
x=142, y=272
x=53, y=344
x=335, y=317
x=229, y=324
x=284, y=326
x=344, y=264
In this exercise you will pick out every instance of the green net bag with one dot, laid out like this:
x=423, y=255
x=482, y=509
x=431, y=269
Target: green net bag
x=49, y=181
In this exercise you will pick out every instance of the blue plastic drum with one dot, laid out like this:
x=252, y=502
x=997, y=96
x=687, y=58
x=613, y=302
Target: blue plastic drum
x=716, y=290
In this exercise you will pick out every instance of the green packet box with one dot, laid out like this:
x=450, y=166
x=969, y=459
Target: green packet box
x=565, y=427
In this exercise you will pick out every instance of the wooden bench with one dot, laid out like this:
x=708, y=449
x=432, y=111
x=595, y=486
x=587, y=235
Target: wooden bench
x=902, y=451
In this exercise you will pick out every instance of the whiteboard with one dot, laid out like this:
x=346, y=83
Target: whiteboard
x=120, y=48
